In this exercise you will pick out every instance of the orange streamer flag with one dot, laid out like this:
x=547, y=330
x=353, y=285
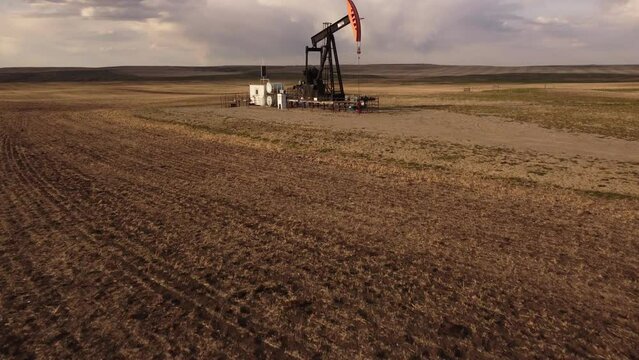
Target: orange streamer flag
x=356, y=22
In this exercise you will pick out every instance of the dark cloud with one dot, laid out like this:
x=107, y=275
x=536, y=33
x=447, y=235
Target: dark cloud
x=247, y=31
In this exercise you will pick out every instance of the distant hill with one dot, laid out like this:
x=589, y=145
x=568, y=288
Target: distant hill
x=391, y=73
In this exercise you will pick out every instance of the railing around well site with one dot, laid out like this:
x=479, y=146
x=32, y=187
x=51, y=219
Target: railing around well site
x=360, y=104
x=363, y=104
x=234, y=100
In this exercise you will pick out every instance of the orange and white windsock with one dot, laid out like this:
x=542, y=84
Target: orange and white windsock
x=356, y=22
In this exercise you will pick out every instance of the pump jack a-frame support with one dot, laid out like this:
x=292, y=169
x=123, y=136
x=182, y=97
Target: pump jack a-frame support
x=325, y=83
x=324, y=80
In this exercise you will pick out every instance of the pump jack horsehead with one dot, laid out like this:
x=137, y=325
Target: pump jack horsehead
x=325, y=82
x=353, y=15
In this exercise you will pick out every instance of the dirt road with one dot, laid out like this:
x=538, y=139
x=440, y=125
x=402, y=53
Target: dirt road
x=121, y=237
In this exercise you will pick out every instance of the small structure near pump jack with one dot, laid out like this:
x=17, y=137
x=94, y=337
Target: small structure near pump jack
x=266, y=93
x=258, y=94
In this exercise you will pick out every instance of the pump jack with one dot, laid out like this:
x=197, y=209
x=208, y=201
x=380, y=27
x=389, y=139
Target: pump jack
x=326, y=82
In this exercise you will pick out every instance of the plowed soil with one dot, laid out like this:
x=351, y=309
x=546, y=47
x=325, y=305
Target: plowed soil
x=122, y=237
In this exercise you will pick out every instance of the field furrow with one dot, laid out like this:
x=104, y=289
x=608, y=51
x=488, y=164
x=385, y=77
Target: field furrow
x=139, y=268
x=127, y=236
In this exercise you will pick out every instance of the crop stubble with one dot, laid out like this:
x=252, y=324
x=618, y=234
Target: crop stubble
x=120, y=236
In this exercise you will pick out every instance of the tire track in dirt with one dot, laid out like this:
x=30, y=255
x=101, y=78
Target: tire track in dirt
x=50, y=196
x=162, y=281
x=4, y=206
x=31, y=211
x=40, y=210
x=41, y=214
x=99, y=131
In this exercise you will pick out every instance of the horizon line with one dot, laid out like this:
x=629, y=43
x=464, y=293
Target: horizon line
x=291, y=65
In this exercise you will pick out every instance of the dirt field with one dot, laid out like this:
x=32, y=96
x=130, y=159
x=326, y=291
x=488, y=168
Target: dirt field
x=142, y=221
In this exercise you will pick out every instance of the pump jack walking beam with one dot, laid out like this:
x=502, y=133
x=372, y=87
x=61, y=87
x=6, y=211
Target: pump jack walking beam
x=345, y=21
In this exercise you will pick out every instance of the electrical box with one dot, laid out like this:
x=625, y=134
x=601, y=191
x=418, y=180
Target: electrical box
x=281, y=101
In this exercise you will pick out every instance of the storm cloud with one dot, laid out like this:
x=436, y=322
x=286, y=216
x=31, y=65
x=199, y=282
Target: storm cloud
x=216, y=32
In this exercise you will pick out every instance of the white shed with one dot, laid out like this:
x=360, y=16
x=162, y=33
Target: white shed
x=258, y=94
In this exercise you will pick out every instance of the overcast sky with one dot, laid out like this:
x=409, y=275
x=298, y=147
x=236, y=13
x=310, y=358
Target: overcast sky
x=218, y=32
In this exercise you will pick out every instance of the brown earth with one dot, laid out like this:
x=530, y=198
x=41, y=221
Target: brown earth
x=128, y=233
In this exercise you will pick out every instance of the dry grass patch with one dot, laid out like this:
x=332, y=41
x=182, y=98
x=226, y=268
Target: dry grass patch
x=574, y=111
